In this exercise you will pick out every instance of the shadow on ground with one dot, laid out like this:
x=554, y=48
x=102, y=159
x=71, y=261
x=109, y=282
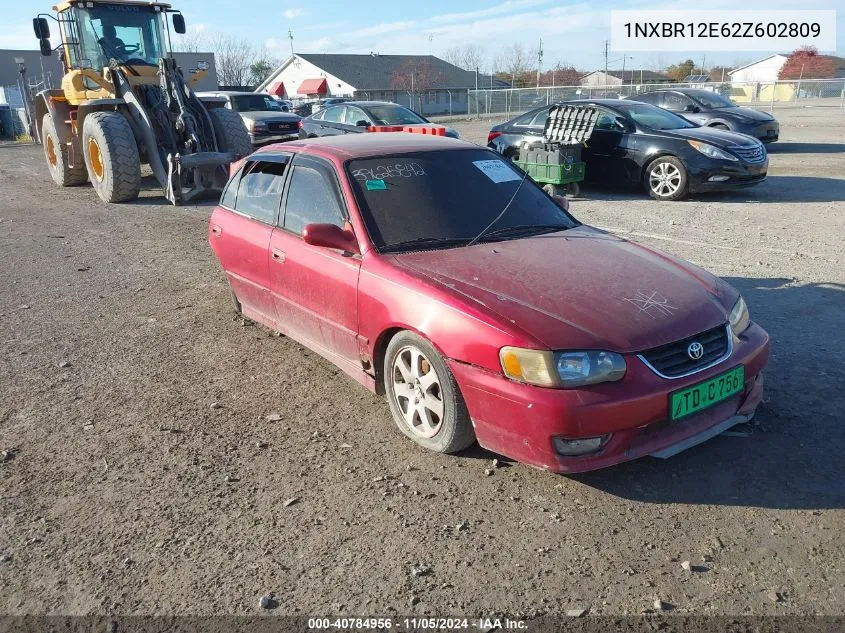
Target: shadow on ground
x=774, y=188
x=790, y=456
x=806, y=148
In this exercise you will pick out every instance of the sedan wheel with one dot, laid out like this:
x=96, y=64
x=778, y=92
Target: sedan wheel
x=423, y=396
x=416, y=388
x=666, y=179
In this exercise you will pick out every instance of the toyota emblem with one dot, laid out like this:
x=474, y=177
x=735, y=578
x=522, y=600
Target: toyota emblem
x=695, y=350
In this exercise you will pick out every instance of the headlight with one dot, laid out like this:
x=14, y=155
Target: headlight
x=250, y=125
x=587, y=368
x=711, y=151
x=260, y=126
x=561, y=369
x=739, y=318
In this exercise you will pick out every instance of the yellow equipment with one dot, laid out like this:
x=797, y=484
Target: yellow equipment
x=124, y=103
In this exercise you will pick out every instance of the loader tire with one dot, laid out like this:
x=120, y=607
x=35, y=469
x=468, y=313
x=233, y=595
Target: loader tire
x=232, y=135
x=57, y=157
x=111, y=156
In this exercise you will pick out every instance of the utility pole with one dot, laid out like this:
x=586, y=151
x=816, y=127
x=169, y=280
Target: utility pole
x=624, y=57
x=606, y=43
x=290, y=37
x=539, y=61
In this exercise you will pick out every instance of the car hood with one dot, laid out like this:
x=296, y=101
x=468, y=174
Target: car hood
x=270, y=116
x=714, y=136
x=743, y=114
x=581, y=289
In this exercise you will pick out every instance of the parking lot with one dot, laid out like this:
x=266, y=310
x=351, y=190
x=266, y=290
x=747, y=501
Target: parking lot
x=164, y=457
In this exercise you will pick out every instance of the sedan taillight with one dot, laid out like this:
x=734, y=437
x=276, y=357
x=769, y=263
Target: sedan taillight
x=493, y=135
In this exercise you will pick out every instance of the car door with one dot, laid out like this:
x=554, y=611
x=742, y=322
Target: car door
x=331, y=124
x=241, y=228
x=354, y=115
x=315, y=289
x=605, y=150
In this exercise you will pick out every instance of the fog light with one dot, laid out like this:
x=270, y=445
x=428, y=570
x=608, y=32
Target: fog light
x=718, y=178
x=579, y=446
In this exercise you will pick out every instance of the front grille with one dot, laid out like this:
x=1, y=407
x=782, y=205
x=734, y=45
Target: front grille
x=755, y=154
x=673, y=360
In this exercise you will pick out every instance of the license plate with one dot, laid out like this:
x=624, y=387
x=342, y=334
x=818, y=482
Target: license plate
x=705, y=394
x=771, y=132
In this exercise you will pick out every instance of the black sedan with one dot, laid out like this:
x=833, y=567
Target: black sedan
x=357, y=116
x=710, y=109
x=641, y=144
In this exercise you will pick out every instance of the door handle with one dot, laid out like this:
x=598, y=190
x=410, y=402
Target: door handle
x=216, y=230
x=278, y=256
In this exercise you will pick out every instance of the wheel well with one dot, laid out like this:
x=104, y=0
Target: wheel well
x=379, y=350
x=718, y=124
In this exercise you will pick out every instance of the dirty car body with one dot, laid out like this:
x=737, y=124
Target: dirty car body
x=569, y=348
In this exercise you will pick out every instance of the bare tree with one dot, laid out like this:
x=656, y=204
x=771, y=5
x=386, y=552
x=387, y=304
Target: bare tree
x=515, y=64
x=233, y=57
x=468, y=57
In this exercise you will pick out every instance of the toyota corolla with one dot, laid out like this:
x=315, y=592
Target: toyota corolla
x=435, y=273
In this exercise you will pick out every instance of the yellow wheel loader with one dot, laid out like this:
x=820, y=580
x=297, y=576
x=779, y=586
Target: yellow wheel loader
x=125, y=103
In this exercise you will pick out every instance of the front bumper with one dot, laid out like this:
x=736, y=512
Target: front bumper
x=739, y=174
x=520, y=421
x=262, y=138
x=767, y=132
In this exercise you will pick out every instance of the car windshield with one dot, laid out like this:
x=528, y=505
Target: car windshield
x=712, y=100
x=254, y=103
x=443, y=199
x=394, y=115
x=653, y=117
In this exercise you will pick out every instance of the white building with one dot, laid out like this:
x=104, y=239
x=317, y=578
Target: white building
x=423, y=82
x=763, y=70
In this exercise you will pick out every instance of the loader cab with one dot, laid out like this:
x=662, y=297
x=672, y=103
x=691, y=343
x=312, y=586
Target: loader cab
x=94, y=33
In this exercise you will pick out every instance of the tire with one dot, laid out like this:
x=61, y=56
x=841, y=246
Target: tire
x=56, y=154
x=666, y=179
x=573, y=189
x=449, y=432
x=232, y=135
x=111, y=156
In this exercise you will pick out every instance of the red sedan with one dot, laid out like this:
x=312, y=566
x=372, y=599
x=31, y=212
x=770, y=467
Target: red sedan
x=434, y=272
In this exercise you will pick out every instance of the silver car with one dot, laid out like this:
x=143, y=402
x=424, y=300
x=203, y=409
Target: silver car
x=263, y=116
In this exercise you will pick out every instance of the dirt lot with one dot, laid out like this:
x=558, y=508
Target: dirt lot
x=125, y=491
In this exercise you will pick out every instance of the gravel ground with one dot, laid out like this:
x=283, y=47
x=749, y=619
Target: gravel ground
x=162, y=458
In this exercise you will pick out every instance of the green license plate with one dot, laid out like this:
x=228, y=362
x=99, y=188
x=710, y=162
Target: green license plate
x=705, y=394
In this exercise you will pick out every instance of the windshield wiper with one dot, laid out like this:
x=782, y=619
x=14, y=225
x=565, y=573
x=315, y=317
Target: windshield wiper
x=425, y=241
x=524, y=230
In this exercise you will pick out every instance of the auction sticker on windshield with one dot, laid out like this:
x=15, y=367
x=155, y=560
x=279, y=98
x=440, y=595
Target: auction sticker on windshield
x=497, y=170
x=705, y=394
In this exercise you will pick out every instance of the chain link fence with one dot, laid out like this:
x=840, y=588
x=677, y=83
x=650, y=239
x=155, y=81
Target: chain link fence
x=513, y=101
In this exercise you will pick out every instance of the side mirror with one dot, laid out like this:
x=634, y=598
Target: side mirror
x=41, y=28
x=691, y=108
x=331, y=236
x=362, y=124
x=46, y=47
x=179, y=23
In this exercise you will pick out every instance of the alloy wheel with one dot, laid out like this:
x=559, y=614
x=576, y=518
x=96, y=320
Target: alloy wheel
x=664, y=179
x=417, y=391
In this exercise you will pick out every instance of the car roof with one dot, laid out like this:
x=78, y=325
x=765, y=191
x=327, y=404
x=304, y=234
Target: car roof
x=371, y=103
x=346, y=146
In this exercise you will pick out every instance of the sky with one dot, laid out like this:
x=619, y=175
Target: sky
x=573, y=32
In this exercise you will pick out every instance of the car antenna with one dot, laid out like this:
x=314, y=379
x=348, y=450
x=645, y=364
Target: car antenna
x=499, y=217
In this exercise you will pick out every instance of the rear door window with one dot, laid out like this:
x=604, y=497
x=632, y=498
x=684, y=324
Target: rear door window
x=312, y=198
x=676, y=102
x=259, y=192
x=334, y=114
x=654, y=98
